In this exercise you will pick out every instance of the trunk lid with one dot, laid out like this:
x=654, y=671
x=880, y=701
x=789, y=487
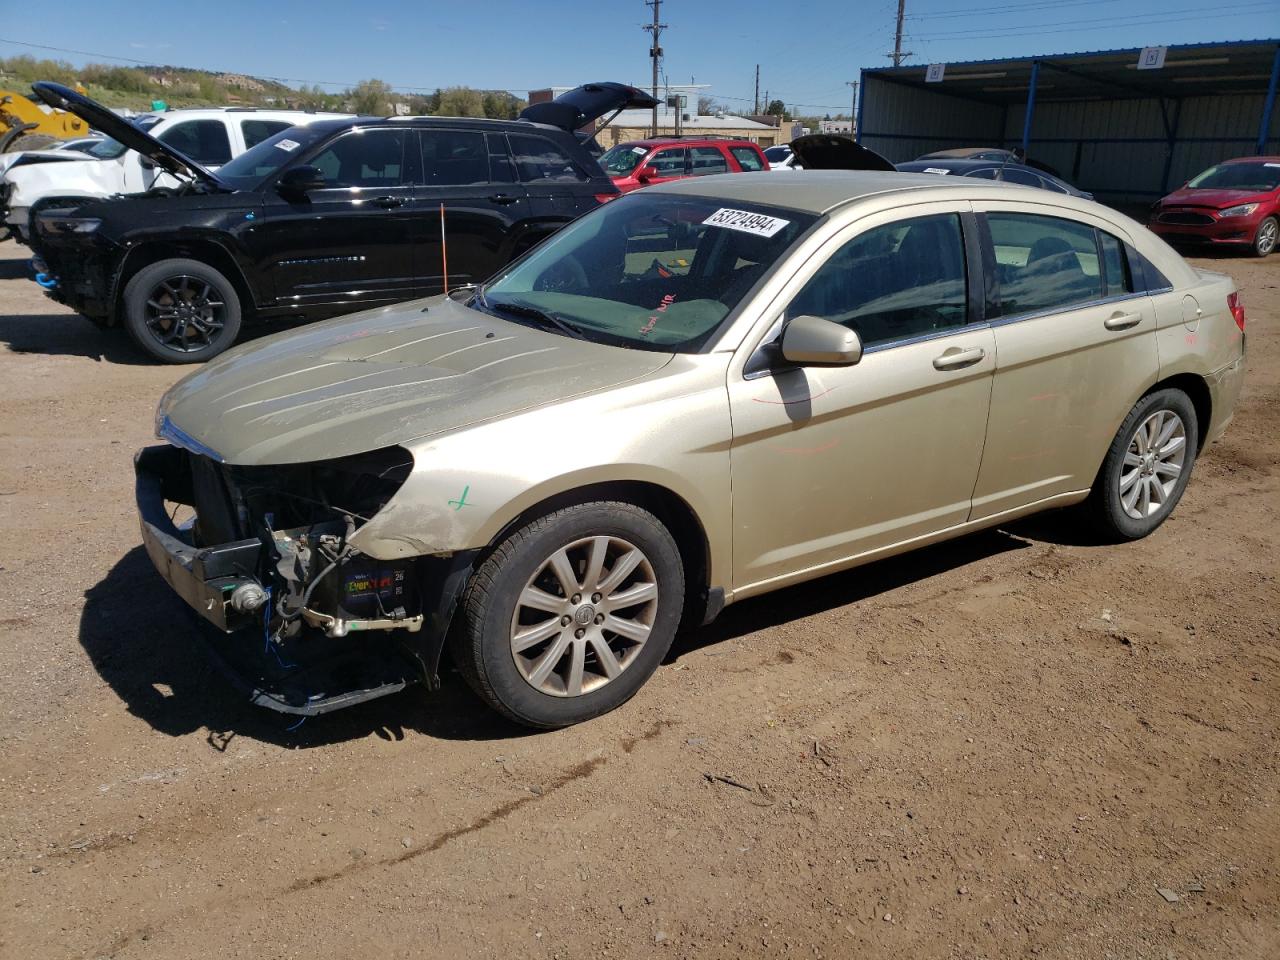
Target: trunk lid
x=583, y=105
x=100, y=118
x=824, y=151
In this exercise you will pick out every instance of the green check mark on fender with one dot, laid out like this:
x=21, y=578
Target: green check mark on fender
x=462, y=500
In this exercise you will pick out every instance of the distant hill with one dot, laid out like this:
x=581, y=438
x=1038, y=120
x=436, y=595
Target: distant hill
x=138, y=86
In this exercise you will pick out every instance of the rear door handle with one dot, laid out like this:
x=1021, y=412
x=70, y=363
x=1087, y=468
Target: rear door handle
x=503, y=198
x=955, y=358
x=389, y=202
x=1122, y=321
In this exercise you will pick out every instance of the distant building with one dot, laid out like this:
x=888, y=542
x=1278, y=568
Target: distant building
x=836, y=126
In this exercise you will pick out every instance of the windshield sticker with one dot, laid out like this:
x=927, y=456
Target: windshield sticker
x=653, y=320
x=936, y=170
x=287, y=145
x=640, y=150
x=1271, y=164
x=745, y=221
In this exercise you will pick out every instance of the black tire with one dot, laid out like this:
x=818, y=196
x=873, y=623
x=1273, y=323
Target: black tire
x=1266, y=238
x=197, y=296
x=481, y=641
x=1105, y=506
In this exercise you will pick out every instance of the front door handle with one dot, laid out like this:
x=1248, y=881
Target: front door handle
x=389, y=202
x=503, y=198
x=1122, y=321
x=955, y=358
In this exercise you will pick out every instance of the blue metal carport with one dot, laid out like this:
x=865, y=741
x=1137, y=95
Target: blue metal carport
x=1128, y=135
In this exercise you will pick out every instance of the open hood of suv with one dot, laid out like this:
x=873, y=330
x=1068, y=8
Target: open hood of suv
x=100, y=118
x=585, y=104
x=823, y=151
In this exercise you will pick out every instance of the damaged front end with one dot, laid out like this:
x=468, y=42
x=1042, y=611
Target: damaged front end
x=307, y=622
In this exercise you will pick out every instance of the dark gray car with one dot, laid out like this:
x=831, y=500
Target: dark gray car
x=993, y=170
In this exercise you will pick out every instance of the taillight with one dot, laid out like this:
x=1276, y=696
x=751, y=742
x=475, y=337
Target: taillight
x=1237, y=309
x=606, y=197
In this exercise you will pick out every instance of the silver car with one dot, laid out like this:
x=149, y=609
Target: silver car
x=698, y=393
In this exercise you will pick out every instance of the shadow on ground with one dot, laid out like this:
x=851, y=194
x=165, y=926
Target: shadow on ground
x=145, y=643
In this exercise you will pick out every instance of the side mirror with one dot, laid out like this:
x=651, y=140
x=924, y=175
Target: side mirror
x=647, y=173
x=299, y=180
x=812, y=341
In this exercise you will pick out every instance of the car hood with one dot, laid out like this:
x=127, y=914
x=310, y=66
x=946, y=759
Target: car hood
x=24, y=158
x=585, y=104
x=87, y=178
x=1217, y=199
x=100, y=118
x=824, y=151
x=380, y=378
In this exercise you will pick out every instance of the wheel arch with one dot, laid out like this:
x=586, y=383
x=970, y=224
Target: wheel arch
x=672, y=510
x=1197, y=391
x=147, y=252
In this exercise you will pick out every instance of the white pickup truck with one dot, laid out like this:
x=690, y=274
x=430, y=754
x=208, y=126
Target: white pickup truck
x=210, y=136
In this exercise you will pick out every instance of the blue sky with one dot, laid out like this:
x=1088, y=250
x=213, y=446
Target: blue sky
x=806, y=49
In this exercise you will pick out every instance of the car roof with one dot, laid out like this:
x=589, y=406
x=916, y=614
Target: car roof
x=813, y=191
x=684, y=141
x=478, y=123
x=1253, y=160
x=956, y=164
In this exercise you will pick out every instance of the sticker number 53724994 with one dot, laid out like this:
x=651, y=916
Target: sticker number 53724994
x=746, y=221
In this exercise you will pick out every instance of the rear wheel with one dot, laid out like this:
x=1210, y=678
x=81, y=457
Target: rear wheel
x=181, y=311
x=1147, y=466
x=1264, y=241
x=571, y=614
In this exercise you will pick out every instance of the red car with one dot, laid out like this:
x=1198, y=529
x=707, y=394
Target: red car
x=642, y=162
x=1235, y=203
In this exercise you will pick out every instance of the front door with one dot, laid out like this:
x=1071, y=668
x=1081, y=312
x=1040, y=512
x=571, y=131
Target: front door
x=351, y=241
x=834, y=463
x=1076, y=348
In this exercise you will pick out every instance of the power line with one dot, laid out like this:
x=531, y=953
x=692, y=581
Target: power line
x=1132, y=20
x=1006, y=8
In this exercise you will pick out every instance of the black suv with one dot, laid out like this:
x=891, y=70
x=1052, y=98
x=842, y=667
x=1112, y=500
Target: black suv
x=318, y=220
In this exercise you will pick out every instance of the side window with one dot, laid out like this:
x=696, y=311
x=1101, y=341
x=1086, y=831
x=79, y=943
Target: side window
x=985, y=173
x=1145, y=274
x=1042, y=263
x=502, y=169
x=539, y=160
x=707, y=160
x=670, y=162
x=255, y=131
x=1024, y=177
x=204, y=141
x=904, y=279
x=1115, y=268
x=454, y=158
x=747, y=158
x=364, y=158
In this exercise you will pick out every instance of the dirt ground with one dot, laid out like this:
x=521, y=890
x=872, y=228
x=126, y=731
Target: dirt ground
x=999, y=747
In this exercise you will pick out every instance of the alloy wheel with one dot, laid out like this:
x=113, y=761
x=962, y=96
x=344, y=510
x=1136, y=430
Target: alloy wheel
x=1267, y=235
x=185, y=314
x=1152, y=464
x=584, y=616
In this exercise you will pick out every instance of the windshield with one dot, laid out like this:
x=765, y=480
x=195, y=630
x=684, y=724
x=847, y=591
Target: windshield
x=775, y=154
x=109, y=148
x=649, y=271
x=268, y=158
x=1239, y=176
x=622, y=159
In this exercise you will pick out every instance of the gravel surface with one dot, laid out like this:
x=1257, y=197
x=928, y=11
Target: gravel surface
x=1016, y=744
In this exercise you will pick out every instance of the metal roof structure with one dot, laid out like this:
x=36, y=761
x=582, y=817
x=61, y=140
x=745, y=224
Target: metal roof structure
x=1123, y=123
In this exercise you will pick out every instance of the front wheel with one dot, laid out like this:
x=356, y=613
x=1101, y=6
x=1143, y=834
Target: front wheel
x=1147, y=466
x=181, y=311
x=571, y=614
x=1264, y=241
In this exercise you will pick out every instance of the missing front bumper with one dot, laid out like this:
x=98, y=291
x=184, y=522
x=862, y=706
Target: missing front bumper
x=348, y=659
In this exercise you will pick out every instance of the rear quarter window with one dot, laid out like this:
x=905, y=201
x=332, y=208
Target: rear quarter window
x=539, y=160
x=747, y=158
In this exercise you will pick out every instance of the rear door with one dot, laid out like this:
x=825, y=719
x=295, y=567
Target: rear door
x=352, y=241
x=467, y=209
x=1075, y=348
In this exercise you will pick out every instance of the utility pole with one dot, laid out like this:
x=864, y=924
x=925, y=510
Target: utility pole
x=853, y=108
x=655, y=53
x=897, y=55
x=757, y=109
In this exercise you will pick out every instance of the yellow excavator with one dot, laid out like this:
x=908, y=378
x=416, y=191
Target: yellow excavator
x=26, y=126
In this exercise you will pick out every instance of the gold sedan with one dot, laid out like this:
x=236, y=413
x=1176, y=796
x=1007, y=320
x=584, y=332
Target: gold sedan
x=698, y=393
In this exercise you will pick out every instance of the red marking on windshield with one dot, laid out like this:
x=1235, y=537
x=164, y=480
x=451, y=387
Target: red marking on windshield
x=662, y=308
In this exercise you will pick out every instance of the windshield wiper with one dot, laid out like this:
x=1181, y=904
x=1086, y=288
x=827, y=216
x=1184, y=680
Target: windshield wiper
x=521, y=309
